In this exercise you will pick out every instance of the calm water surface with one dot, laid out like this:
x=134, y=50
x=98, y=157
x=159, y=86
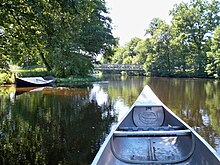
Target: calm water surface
x=67, y=125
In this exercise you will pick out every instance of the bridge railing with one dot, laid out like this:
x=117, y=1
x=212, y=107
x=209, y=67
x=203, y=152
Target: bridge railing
x=119, y=67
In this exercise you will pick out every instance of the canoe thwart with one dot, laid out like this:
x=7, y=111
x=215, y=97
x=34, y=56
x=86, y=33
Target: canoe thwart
x=161, y=128
x=151, y=133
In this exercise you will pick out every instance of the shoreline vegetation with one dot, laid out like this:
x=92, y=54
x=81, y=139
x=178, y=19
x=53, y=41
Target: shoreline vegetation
x=71, y=81
x=42, y=72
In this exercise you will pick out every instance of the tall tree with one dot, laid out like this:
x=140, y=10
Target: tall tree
x=56, y=33
x=159, y=62
x=213, y=67
x=117, y=58
x=129, y=56
x=142, y=48
x=196, y=21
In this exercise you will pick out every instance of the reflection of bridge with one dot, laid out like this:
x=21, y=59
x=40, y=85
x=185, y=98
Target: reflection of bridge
x=118, y=67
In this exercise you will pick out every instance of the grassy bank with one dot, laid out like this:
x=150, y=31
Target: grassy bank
x=33, y=71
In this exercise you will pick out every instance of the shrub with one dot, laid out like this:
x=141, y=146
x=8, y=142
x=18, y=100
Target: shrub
x=5, y=78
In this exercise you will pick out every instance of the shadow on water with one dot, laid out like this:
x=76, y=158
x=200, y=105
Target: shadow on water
x=54, y=126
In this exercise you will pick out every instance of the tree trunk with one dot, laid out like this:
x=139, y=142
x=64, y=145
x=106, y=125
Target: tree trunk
x=45, y=62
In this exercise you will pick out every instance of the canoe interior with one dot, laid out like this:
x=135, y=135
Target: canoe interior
x=151, y=135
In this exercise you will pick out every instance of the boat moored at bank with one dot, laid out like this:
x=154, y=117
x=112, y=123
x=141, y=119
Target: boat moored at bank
x=33, y=81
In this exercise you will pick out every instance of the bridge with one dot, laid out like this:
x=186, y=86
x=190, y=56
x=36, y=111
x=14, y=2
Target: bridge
x=118, y=67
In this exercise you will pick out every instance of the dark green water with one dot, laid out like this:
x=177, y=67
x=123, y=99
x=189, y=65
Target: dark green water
x=68, y=125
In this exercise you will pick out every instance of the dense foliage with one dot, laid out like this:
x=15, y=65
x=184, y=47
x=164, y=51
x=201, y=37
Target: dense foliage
x=65, y=36
x=213, y=67
x=188, y=47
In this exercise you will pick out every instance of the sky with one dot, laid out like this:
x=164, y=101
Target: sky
x=131, y=17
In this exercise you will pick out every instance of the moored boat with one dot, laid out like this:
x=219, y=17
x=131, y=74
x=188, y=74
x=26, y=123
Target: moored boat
x=150, y=133
x=33, y=81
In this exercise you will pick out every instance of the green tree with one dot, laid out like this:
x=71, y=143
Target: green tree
x=159, y=59
x=182, y=61
x=128, y=53
x=117, y=58
x=52, y=31
x=196, y=21
x=213, y=67
x=141, y=50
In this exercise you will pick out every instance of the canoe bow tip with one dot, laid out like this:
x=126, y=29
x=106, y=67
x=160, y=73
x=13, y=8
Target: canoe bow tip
x=147, y=97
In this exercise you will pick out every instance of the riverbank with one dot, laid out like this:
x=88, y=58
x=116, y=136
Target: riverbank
x=42, y=72
x=68, y=82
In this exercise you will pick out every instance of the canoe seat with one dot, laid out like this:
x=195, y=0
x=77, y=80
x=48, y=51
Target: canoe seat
x=151, y=146
x=148, y=116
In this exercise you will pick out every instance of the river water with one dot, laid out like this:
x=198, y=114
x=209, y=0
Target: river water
x=59, y=125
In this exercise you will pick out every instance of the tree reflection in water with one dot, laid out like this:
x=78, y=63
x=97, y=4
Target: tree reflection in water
x=55, y=126
x=196, y=101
